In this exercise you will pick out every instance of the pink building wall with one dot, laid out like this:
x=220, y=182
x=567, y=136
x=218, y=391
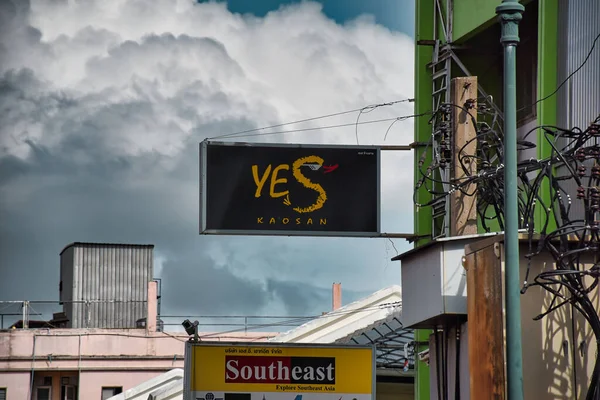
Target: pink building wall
x=16, y=383
x=93, y=358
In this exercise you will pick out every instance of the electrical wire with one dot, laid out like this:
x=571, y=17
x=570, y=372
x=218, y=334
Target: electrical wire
x=291, y=320
x=545, y=203
x=359, y=110
x=368, y=109
x=394, y=120
x=304, y=319
x=393, y=245
x=223, y=334
x=567, y=78
x=316, y=128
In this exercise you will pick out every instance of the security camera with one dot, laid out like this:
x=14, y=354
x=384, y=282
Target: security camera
x=190, y=327
x=424, y=356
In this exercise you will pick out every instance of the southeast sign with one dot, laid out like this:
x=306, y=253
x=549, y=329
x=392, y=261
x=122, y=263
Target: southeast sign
x=287, y=189
x=254, y=371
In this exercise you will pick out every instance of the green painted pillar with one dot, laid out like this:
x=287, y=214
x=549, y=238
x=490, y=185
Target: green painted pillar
x=424, y=31
x=511, y=13
x=421, y=368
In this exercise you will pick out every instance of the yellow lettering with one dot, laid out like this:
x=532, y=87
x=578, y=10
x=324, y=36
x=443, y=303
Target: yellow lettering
x=288, y=220
x=275, y=181
x=322, y=198
x=260, y=182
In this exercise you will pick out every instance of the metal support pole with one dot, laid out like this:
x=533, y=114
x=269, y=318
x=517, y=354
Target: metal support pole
x=510, y=14
x=196, y=336
x=25, y=314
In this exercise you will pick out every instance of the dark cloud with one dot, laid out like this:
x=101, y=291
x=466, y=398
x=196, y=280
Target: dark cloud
x=100, y=120
x=300, y=299
x=197, y=287
x=18, y=39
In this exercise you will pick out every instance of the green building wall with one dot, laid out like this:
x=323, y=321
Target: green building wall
x=470, y=17
x=424, y=31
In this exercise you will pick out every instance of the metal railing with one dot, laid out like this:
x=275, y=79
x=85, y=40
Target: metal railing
x=25, y=314
x=120, y=314
x=238, y=323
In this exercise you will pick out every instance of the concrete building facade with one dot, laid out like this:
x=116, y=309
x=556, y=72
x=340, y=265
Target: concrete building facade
x=68, y=364
x=107, y=339
x=93, y=363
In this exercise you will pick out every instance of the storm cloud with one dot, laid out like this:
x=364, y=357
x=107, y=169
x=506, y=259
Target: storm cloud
x=102, y=107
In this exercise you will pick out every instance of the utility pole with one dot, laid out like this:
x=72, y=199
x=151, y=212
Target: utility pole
x=463, y=207
x=510, y=14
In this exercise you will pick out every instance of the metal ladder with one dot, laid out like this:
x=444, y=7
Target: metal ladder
x=440, y=75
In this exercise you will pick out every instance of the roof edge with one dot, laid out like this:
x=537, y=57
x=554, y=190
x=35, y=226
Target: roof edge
x=105, y=245
x=333, y=316
x=394, y=315
x=447, y=239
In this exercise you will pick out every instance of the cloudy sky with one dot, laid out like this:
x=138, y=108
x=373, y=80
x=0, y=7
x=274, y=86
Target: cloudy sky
x=102, y=107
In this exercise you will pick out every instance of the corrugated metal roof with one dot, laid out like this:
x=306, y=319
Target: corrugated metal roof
x=374, y=320
x=391, y=340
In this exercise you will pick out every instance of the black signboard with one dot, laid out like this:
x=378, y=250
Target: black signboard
x=284, y=189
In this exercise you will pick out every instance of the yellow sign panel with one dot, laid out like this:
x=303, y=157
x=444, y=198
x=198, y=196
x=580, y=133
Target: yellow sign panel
x=281, y=368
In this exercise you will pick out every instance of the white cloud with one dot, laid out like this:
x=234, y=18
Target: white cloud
x=103, y=104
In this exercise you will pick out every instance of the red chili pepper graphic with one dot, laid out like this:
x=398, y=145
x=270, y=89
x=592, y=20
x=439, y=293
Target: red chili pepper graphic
x=330, y=168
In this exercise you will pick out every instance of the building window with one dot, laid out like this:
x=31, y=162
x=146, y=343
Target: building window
x=44, y=393
x=68, y=392
x=108, y=392
x=2, y=393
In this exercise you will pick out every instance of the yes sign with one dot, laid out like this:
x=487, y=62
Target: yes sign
x=284, y=189
x=312, y=162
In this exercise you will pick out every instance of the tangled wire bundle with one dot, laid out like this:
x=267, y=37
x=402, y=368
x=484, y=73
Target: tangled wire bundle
x=570, y=232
